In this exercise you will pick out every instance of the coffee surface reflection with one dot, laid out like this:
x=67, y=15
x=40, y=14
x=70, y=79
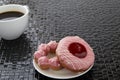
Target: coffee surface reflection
x=10, y=15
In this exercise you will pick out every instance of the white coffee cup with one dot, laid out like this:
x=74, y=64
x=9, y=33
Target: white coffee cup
x=13, y=28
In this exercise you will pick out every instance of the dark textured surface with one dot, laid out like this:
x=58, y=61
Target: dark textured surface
x=97, y=21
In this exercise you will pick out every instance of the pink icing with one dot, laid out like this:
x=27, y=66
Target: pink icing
x=43, y=61
x=39, y=54
x=44, y=47
x=52, y=45
x=54, y=62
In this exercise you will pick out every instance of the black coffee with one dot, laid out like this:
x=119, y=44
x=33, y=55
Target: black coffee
x=10, y=15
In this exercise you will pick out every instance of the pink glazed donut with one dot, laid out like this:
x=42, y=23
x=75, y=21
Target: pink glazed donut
x=75, y=54
x=41, y=58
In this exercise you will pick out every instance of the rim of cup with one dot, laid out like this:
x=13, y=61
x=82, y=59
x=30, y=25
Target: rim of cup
x=15, y=5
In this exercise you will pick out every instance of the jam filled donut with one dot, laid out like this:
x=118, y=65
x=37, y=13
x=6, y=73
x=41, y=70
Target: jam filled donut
x=41, y=58
x=75, y=54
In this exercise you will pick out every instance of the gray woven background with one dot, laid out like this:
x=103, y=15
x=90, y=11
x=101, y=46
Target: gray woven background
x=96, y=21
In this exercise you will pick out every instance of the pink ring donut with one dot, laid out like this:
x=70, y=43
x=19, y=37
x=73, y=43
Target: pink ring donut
x=70, y=61
x=41, y=58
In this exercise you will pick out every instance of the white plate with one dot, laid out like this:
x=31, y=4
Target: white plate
x=61, y=74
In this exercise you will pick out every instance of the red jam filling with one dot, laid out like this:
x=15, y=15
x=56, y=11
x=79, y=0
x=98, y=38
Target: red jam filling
x=77, y=50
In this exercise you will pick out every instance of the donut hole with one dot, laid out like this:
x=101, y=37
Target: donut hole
x=51, y=55
x=77, y=50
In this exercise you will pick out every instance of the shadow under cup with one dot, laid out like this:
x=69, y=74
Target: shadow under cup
x=13, y=20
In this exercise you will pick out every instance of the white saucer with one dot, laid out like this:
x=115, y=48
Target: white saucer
x=61, y=74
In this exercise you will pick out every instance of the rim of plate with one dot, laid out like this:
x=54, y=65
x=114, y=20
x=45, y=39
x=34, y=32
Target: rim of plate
x=65, y=77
